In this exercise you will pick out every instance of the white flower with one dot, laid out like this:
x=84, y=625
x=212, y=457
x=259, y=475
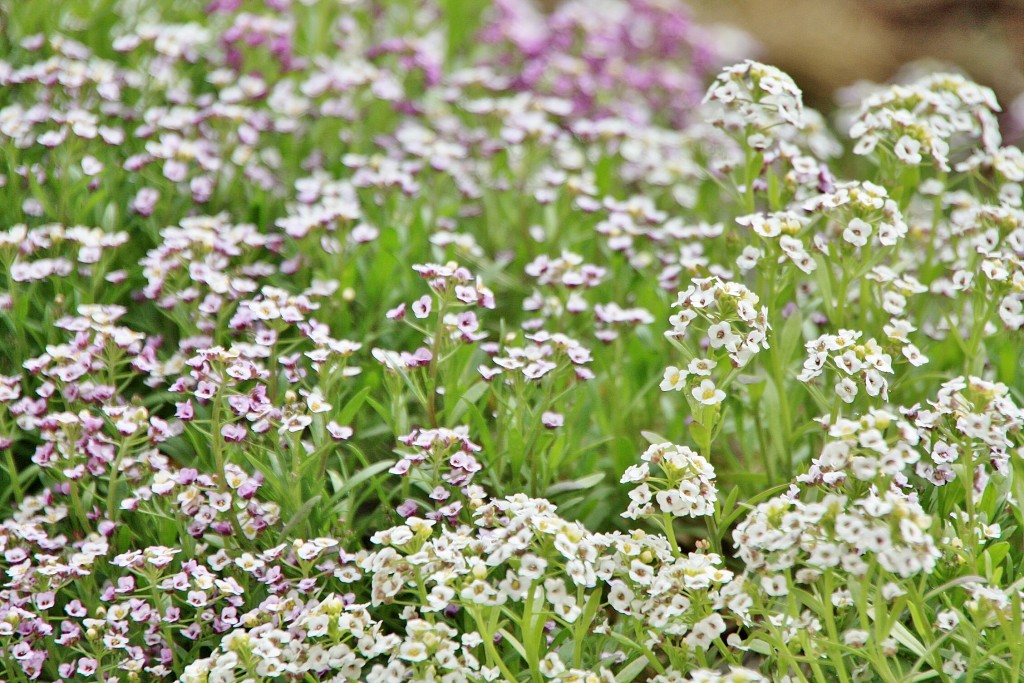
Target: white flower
x=551, y=665
x=908, y=150
x=748, y=259
x=421, y=307
x=620, y=596
x=721, y=334
x=857, y=232
x=412, y=652
x=955, y=666
x=765, y=226
x=675, y=379
x=947, y=620
x=316, y=403
x=708, y=394
x=855, y=638
x=847, y=389
x=775, y=585
x=874, y=383
x=1010, y=312
x=990, y=531
x=295, y=423
x=701, y=367
x=914, y=355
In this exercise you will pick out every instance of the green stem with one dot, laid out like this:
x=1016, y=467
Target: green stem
x=76, y=503
x=12, y=470
x=667, y=523
x=217, y=447
x=115, y=471
x=830, y=624
x=493, y=658
x=714, y=532
x=785, y=448
x=435, y=362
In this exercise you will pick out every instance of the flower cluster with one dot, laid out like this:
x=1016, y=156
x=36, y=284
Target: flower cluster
x=69, y=250
x=637, y=59
x=863, y=213
x=867, y=362
x=920, y=120
x=542, y=354
x=786, y=533
x=736, y=330
x=757, y=96
x=686, y=489
x=443, y=459
x=210, y=218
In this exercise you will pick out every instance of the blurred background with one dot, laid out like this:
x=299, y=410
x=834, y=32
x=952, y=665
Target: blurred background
x=833, y=48
x=830, y=45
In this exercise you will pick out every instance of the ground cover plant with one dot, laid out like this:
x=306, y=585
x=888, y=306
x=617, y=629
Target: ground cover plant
x=451, y=341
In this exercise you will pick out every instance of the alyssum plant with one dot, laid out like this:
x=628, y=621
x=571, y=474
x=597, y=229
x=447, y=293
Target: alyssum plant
x=440, y=342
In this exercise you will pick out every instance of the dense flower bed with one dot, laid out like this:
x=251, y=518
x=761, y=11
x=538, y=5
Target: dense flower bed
x=446, y=341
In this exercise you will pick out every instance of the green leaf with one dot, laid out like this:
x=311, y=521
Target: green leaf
x=593, y=604
x=341, y=487
x=907, y=639
x=586, y=482
x=761, y=647
x=300, y=515
x=698, y=432
x=995, y=554
x=631, y=670
x=791, y=336
x=511, y=640
x=749, y=504
x=468, y=398
x=353, y=406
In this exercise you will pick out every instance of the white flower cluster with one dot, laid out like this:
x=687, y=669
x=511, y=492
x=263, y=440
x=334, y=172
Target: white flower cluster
x=836, y=531
x=561, y=283
x=468, y=290
x=920, y=120
x=757, y=95
x=663, y=596
x=568, y=270
x=971, y=420
x=204, y=251
x=878, y=447
x=862, y=211
x=735, y=674
x=866, y=362
x=323, y=206
x=781, y=228
x=896, y=289
x=65, y=247
x=736, y=326
x=989, y=253
x=501, y=562
x=544, y=353
x=686, y=489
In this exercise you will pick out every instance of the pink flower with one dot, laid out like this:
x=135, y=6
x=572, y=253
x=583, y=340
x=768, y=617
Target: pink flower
x=552, y=420
x=233, y=432
x=421, y=307
x=339, y=432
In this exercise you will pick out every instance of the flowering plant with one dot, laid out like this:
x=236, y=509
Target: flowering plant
x=451, y=341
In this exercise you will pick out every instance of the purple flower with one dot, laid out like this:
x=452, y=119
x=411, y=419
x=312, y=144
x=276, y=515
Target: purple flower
x=233, y=432
x=401, y=467
x=145, y=201
x=339, y=432
x=407, y=509
x=552, y=420
x=421, y=307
